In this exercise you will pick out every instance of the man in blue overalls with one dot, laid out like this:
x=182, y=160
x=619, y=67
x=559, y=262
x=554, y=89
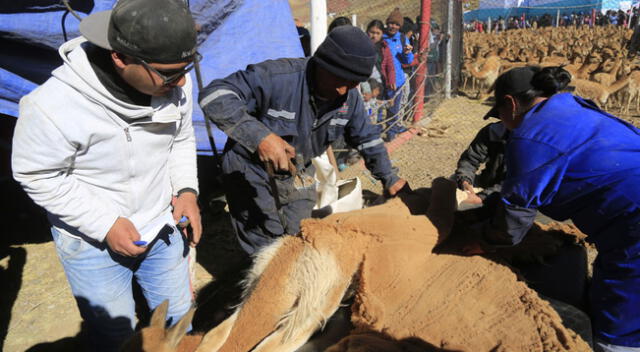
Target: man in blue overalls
x=285, y=109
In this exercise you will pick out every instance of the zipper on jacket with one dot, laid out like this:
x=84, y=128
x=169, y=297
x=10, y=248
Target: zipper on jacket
x=134, y=200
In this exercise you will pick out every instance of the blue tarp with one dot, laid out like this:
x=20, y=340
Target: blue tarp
x=508, y=8
x=234, y=34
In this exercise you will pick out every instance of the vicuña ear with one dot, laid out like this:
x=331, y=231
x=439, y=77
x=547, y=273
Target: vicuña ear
x=178, y=331
x=159, y=316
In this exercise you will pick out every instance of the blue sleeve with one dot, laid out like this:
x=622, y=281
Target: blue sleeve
x=534, y=173
x=232, y=102
x=405, y=58
x=365, y=137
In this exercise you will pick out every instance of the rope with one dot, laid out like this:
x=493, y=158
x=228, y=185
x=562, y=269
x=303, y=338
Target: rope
x=404, y=110
x=411, y=107
x=399, y=90
x=72, y=11
x=68, y=11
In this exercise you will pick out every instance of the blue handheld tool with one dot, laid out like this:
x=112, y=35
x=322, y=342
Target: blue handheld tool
x=140, y=243
x=184, y=222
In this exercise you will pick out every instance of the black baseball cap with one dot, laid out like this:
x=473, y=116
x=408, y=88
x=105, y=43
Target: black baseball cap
x=512, y=82
x=158, y=31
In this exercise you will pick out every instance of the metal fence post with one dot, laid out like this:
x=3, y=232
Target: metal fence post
x=449, y=57
x=423, y=49
x=318, y=23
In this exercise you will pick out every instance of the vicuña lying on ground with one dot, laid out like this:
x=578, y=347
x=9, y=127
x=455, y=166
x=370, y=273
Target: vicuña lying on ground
x=404, y=292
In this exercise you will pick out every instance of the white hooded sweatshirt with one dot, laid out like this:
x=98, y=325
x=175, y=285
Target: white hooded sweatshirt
x=75, y=155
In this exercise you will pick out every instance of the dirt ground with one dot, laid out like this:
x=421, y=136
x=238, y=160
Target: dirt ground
x=40, y=314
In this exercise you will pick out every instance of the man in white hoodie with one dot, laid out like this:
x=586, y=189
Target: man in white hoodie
x=107, y=147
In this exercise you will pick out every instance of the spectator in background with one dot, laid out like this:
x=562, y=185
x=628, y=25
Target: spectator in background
x=477, y=26
x=613, y=18
x=408, y=30
x=622, y=18
x=339, y=21
x=305, y=37
x=634, y=43
x=600, y=19
x=371, y=90
x=384, y=70
x=634, y=18
x=546, y=20
x=401, y=52
x=433, y=57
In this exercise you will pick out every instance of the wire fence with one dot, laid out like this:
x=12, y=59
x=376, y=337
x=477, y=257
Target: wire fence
x=442, y=69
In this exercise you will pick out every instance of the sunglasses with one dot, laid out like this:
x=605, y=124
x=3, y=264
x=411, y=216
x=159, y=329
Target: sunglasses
x=172, y=76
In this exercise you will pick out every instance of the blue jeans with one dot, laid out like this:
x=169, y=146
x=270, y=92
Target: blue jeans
x=101, y=282
x=393, y=115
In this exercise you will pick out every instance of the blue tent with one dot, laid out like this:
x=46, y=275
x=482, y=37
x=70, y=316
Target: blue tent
x=234, y=33
x=508, y=8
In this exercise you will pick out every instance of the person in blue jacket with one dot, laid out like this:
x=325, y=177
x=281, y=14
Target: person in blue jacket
x=285, y=109
x=401, y=51
x=570, y=160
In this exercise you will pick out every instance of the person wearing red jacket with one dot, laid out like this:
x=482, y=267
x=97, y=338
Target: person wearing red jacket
x=384, y=60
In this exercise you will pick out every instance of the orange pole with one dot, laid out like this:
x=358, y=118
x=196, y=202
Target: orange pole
x=423, y=49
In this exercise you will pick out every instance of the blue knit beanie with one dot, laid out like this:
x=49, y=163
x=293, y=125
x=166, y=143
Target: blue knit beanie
x=347, y=52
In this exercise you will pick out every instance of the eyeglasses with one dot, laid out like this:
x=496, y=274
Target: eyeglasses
x=172, y=76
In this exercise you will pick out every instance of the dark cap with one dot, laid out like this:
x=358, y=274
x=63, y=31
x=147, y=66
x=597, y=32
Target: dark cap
x=159, y=31
x=347, y=53
x=512, y=82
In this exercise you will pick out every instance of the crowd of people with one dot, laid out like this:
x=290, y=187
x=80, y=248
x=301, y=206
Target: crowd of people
x=107, y=147
x=396, y=43
x=627, y=19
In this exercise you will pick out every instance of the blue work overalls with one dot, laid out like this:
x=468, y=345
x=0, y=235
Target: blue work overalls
x=570, y=160
x=276, y=96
